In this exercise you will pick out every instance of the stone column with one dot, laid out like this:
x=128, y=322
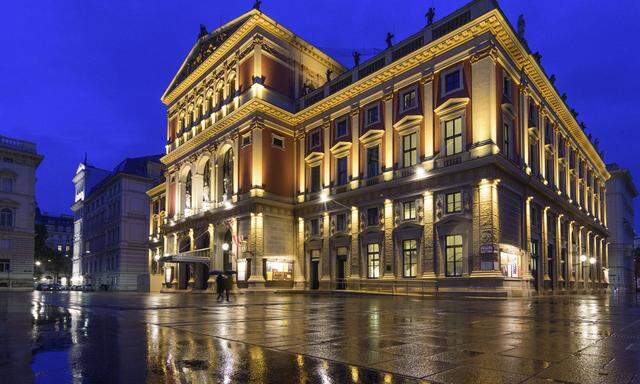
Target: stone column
x=326, y=160
x=256, y=155
x=486, y=227
x=483, y=88
x=387, y=262
x=302, y=166
x=524, y=125
x=559, y=281
x=542, y=128
x=428, y=265
x=355, y=146
x=544, y=255
x=388, y=135
x=427, y=110
x=196, y=189
x=299, y=269
x=587, y=277
x=256, y=245
x=526, y=275
x=211, y=281
x=325, y=257
x=571, y=257
x=236, y=164
x=356, y=271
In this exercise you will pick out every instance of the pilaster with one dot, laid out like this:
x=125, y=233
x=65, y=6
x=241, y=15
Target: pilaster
x=387, y=262
x=355, y=244
x=428, y=265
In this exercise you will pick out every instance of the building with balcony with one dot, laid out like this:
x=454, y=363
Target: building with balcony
x=18, y=163
x=111, y=220
x=620, y=218
x=446, y=162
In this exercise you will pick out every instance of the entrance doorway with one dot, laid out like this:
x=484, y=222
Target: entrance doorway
x=340, y=267
x=226, y=252
x=315, y=261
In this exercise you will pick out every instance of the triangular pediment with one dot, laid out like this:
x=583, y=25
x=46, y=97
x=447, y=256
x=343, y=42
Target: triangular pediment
x=408, y=122
x=451, y=105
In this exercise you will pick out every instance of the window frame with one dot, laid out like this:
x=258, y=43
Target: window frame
x=341, y=217
x=456, y=202
x=507, y=86
x=376, y=218
x=411, y=205
x=373, y=263
x=443, y=80
x=7, y=217
x=313, y=185
x=411, y=152
x=401, y=107
x=275, y=137
x=312, y=135
x=507, y=139
x=7, y=181
x=367, y=122
x=345, y=172
x=454, y=135
x=412, y=254
x=344, y=120
x=458, y=265
x=369, y=150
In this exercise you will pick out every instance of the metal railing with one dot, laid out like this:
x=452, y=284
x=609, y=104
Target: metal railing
x=19, y=145
x=403, y=287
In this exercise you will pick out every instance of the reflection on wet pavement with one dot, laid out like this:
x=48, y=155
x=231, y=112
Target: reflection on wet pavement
x=180, y=338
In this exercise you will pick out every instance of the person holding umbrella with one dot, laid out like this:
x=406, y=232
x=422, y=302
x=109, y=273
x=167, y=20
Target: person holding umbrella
x=228, y=281
x=221, y=287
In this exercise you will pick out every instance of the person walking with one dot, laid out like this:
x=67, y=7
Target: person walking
x=228, y=281
x=220, y=287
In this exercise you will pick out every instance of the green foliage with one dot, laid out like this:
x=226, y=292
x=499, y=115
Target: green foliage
x=52, y=262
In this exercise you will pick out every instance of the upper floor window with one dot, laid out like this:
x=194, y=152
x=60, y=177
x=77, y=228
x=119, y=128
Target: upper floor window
x=315, y=178
x=372, y=115
x=533, y=114
x=507, y=86
x=342, y=128
x=7, y=159
x=454, y=202
x=341, y=222
x=409, y=149
x=227, y=173
x=373, y=260
x=6, y=244
x=533, y=155
x=506, y=140
x=409, y=210
x=6, y=217
x=246, y=140
x=373, y=217
x=453, y=136
x=341, y=165
x=277, y=141
x=6, y=184
x=408, y=100
x=373, y=161
x=315, y=227
x=314, y=139
x=451, y=81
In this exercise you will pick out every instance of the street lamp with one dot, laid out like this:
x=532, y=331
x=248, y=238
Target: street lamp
x=38, y=263
x=592, y=260
x=225, y=246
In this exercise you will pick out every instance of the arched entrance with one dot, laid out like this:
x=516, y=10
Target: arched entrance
x=184, y=271
x=226, y=252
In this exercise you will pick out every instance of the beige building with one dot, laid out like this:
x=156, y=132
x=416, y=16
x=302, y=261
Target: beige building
x=446, y=162
x=18, y=163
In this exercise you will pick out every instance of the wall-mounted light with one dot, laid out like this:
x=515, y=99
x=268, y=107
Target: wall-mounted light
x=225, y=246
x=324, y=197
x=38, y=263
x=227, y=204
x=583, y=258
x=592, y=260
x=156, y=258
x=420, y=172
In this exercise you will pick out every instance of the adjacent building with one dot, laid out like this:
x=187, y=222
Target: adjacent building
x=18, y=163
x=620, y=218
x=448, y=161
x=59, y=231
x=111, y=219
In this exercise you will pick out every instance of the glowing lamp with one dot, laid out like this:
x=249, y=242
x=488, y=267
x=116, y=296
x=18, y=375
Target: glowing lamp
x=583, y=258
x=592, y=260
x=225, y=246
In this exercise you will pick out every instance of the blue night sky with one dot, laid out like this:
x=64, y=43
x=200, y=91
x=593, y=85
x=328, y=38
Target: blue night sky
x=87, y=76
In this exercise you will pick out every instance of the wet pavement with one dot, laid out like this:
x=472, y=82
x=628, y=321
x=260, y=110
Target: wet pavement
x=60, y=337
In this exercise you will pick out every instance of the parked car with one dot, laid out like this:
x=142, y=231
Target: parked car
x=43, y=287
x=88, y=288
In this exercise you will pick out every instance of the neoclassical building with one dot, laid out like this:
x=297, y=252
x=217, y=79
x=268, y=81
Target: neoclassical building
x=448, y=161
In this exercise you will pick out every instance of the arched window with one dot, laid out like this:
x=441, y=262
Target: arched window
x=206, y=184
x=6, y=217
x=185, y=244
x=220, y=96
x=188, y=191
x=6, y=184
x=227, y=173
x=207, y=174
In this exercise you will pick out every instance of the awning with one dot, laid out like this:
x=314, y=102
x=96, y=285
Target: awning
x=187, y=257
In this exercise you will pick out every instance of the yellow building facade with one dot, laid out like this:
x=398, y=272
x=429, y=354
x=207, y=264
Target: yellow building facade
x=448, y=162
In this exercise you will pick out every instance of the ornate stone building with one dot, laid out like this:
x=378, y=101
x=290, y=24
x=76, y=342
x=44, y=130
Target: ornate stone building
x=18, y=163
x=448, y=161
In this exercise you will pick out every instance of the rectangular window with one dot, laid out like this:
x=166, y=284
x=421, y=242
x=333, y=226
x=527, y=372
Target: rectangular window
x=453, y=255
x=341, y=222
x=372, y=115
x=533, y=155
x=4, y=265
x=549, y=170
x=373, y=217
x=315, y=178
x=452, y=81
x=533, y=262
x=246, y=140
x=453, y=136
x=342, y=128
x=506, y=140
x=506, y=86
x=6, y=184
x=409, y=210
x=454, y=202
x=5, y=244
x=373, y=162
x=408, y=100
x=410, y=258
x=277, y=141
x=373, y=261
x=409, y=149
x=314, y=139
x=341, y=170
x=315, y=227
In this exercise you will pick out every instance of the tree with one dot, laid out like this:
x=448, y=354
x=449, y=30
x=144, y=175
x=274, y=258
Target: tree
x=55, y=263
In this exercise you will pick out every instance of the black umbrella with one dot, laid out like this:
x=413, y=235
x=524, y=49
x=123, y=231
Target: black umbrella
x=215, y=273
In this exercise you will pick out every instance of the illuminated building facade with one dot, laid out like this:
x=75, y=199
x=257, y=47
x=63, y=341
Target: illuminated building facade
x=18, y=163
x=448, y=161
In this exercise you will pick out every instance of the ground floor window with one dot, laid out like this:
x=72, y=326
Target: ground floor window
x=278, y=270
x=453, y=255
x=373, y=260
x=410, y=258
x=533, y=261
x=509, y=265
x=4, y=265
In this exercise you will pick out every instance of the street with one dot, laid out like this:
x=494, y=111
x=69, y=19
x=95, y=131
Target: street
x=59, y=337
